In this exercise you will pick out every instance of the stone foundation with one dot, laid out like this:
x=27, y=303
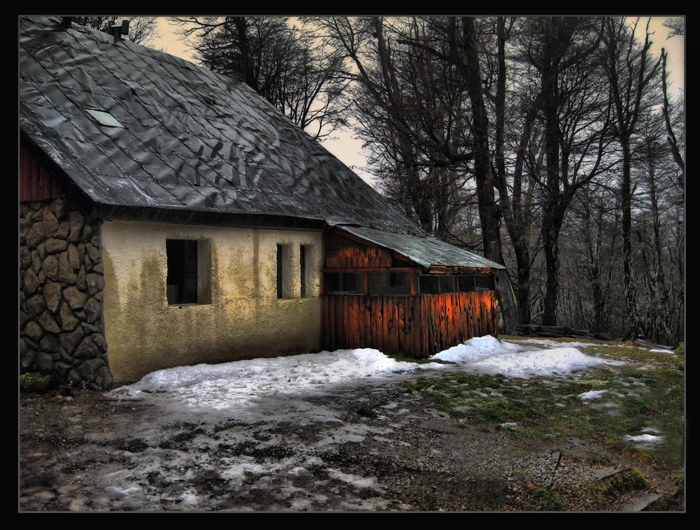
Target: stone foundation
x=61, y=289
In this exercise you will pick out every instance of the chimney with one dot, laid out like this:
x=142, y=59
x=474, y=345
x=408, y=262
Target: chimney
x=66, y=22
x=119, y=30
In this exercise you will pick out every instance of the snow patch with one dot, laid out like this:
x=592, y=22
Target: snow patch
x=659, y=350
x=644, y=439
x=593, y=394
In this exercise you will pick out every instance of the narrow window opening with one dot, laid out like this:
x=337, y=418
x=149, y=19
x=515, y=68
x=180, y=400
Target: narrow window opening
x=182, y=271
x=286, y=272
x=302, y=263
x=466, y=284
x=280, y=269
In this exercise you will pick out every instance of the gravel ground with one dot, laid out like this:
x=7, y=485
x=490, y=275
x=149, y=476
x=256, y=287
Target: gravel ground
x=386, y=449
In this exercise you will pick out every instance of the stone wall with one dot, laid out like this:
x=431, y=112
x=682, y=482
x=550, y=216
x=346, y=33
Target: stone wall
x=61, y=289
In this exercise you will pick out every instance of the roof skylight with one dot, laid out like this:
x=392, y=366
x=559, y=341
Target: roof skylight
x=105, y=118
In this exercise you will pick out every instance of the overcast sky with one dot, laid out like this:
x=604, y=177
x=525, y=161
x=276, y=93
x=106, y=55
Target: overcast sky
x=349, y=150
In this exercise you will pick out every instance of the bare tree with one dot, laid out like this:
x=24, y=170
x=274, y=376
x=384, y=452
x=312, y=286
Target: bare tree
x=669, y=123
x=423, y=115
x=292, y=71
x=630, y=76
x=677, y=27
x=591, y=272
x=515, y=117
x=522, y=121
x=572, y=107
x=658, y=196
x=407, y=108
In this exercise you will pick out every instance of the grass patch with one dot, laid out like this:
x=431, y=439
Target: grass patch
x=680, y=476
x=504, y=411
x=475, y=397
x=543, y=498
x=622, y=482
x=645, y=395
x=603, y=459
x=601, y=492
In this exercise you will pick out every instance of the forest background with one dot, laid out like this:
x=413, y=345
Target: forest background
x=552, y=145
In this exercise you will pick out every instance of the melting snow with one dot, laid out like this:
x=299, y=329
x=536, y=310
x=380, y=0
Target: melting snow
x=257, y=385
x=487, y=354
x=593, y=394
x=645, y=439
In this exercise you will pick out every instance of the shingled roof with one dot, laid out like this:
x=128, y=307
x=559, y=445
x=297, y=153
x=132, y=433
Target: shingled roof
x=188, y=145
x=189, y=140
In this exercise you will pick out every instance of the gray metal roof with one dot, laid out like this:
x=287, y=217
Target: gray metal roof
x=173, y=141
x=192, y=143
x=424, y=250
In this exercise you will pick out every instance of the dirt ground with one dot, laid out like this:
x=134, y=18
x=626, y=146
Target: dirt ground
x=368, y=447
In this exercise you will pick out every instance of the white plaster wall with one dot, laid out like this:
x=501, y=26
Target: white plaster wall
x=244, y=319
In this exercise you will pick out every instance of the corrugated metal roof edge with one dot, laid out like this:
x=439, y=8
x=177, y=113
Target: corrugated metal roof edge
x=362, y=233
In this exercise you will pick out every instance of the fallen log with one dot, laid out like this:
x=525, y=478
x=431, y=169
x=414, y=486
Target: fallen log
x=646, y=344
x=566, y=331
x=556, y=332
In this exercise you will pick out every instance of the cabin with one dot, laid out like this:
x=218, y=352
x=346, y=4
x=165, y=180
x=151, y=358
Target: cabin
x=170, y=216
x=402, y=293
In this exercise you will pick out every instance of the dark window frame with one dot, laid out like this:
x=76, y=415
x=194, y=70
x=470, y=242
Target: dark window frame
x=474, y=283
x=444, y=284
x=335, y=283
x=399, y=283
x=280, y=271
x=188, y=271
x=302, y=265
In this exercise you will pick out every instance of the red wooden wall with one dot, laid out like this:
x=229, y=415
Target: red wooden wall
x=35, y=183
x=417, y=326
x=341, y=252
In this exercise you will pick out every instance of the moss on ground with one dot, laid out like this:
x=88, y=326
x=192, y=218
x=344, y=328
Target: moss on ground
x=645, y=394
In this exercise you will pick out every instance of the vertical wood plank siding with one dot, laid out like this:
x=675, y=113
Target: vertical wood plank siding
x=35, y=183
x=340, y=252
x=417, y=326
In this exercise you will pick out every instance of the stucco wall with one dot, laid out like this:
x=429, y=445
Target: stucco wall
x=244, y=319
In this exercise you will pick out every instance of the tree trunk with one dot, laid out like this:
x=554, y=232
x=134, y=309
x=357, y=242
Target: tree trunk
x=506, y=301
x=489, y=213
x=550, y=232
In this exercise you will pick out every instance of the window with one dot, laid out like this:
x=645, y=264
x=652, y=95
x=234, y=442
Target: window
x=344, y=283
x=296, y=276
x=302, y=266
x=475, y=283
x=280, y=271
x=285, y=268
x=188, y=271
x=105, y=118
x=389, y=283
x=431, y=284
